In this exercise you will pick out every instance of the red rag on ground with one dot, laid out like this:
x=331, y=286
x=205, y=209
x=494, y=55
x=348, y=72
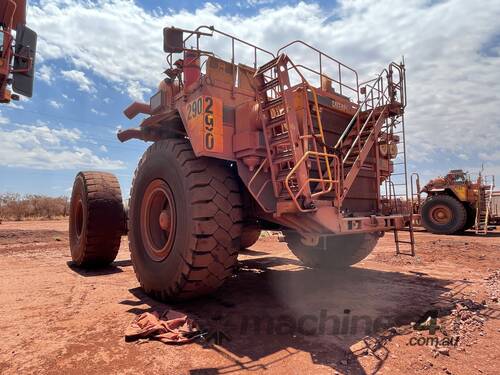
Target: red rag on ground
x=172, y=327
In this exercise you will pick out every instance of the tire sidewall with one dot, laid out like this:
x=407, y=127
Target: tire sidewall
x=452, y=226
x=77, y=244
x=159, y=163
x=341, y=251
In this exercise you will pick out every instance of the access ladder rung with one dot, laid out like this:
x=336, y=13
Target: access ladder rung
x=280, y=139
x=269, y=85
x=273, y=103
x=267, y=66
x=278, y=120
x=282, y=175
x=407, y=242
x=283, y=157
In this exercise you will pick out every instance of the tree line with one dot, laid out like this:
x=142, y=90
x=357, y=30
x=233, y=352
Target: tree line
x=14, y=206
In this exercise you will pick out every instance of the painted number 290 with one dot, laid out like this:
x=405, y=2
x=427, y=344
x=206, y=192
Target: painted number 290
x=209, y=124
x=195, y=108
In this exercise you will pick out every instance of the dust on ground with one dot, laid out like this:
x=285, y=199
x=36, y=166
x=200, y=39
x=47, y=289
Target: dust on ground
x=273, y=316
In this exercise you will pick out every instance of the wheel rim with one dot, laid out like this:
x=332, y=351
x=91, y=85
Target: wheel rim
x=78, y=223
x=441, y=214
x=158, y=220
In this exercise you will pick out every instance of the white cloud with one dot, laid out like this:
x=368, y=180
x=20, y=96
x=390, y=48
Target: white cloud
x=13, y=104
x=492, y=156
x=42, y=147
x=45, y=73
x=96, y=112
x=103, y=148
x=3, y=120
x=68, y=98
x=453, y=81
x=55, y=104
x=84, y=84
x=136, y=90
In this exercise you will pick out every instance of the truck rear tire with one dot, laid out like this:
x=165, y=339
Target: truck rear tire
x=341, y=251
x=249, y=236
x=96, y=219
x=443, y=214
x=185, y=221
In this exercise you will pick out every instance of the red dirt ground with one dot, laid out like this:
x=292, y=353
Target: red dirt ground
x=55, y=318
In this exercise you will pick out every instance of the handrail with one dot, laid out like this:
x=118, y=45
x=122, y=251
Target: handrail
x=417, y=180
x=323, y=154
x=233, y=39
x=349, y=126
x=320, y=55
x=361, y=131
x=328, y=77
x=402, y=75
x=330, y=181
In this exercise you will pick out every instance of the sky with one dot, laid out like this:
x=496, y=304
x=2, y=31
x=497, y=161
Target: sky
x=96, y=57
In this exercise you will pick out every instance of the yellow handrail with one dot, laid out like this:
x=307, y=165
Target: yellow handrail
x=329, y=181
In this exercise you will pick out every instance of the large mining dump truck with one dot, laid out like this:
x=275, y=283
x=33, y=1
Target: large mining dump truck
x=244, y=144
x=17, y=54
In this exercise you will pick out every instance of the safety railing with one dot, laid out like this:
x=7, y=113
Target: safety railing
x=363, y=107
x=344, y=88
x=330, y=177
x=379, y=94
x=205, y=30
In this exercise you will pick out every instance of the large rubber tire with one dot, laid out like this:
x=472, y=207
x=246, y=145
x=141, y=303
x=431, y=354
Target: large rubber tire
x=96, y=219
x=339, y=252
x=200, y=246
x=471, y=218
x=443, y=214
x=249, y=236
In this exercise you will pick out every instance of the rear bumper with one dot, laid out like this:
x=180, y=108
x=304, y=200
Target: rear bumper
x=373, y=223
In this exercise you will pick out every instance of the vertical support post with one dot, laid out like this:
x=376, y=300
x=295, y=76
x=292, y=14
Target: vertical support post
x=340, y=79
x=320, y=71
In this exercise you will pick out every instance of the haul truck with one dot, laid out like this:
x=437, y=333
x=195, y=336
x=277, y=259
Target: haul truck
x=237, y=147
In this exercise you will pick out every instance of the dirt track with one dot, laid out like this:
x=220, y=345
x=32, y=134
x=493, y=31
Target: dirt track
x=58, y=319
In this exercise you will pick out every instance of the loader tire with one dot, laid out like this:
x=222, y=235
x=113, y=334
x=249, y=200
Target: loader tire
x=96, y=219
x=471, y=219
x=443, y=214
x=249, y=236
x=339, y=252
x=185, y=221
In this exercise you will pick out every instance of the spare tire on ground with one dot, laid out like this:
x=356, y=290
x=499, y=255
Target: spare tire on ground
x=96, y=219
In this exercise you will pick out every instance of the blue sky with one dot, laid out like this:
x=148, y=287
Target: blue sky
x=95, y=57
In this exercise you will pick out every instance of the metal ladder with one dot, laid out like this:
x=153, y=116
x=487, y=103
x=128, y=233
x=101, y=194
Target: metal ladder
x=285, y=141
x=483, y=208
x=357, y=146
x=411, y=233
x=280, y=127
